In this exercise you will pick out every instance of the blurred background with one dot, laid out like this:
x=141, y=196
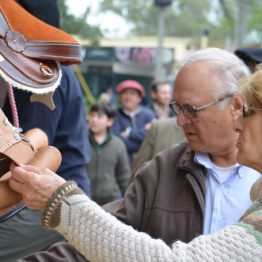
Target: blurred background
x=147, y=40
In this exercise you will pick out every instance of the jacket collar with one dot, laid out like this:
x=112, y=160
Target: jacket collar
x=126, y=112
x=187, y=161
x=93, y=141
x=194, y=174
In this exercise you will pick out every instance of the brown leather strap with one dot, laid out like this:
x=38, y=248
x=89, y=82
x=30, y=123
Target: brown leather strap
x=63, y=52
x=29, y=68
x=46, y=157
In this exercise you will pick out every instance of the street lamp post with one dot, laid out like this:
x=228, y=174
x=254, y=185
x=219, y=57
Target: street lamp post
x=242, y=9
x=159, y=70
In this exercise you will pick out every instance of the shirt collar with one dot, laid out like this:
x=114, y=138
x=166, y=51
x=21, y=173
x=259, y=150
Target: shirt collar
x=204, y=159
x=94, y=142
x=132, y=114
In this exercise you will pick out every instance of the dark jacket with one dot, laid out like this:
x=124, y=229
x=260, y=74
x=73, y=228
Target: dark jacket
x=166, y=197
x=137, y=133
x=65, y=126
x=108, y=169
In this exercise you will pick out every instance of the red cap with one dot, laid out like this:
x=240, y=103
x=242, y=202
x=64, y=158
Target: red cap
x=130, y=84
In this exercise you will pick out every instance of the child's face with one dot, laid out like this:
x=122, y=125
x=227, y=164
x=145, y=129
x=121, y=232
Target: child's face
x=99, y=122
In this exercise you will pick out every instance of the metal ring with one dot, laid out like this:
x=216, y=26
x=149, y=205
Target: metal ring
x=45, y=70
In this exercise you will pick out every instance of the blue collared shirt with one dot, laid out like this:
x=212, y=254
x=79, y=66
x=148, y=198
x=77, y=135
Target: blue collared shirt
x=225, y=201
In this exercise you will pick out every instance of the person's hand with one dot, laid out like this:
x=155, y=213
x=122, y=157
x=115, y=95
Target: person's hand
x=147, y=126
x=126, y=132
x=36, y=185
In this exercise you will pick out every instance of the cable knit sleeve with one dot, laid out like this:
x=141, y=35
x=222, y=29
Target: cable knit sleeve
x=101, y=237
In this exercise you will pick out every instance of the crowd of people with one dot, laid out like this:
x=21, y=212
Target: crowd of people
x=198, y=187
x=175, y=180
x=131, y=130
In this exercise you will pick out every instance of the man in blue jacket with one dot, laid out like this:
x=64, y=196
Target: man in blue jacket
x=132, y=120
x=20, y=230
x=65, y=127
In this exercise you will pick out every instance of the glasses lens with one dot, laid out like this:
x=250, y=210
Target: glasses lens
x=189, y=111
x=186, y=109
x=174, y=107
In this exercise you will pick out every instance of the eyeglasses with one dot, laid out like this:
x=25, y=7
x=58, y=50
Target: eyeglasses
x=247, y=110
x=191, y=111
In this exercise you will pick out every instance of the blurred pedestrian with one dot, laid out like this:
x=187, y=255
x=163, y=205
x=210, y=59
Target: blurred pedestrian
x=132, y=120
x=162, y=134
x=161, y=97
x=109, y=168
x=252, y=57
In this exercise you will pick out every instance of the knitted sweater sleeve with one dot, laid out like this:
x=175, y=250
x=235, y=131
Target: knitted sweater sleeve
x=101, y=237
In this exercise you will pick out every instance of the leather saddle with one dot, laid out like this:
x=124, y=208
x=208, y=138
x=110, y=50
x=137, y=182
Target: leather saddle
x=18, y=148
x=31, y=51
x=14, y=147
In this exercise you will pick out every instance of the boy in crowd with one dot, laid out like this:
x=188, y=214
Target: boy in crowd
x=109, y=168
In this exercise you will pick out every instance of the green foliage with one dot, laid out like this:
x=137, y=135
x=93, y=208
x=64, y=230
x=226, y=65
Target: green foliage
x=140, y=14
x=223, y=23
x=186, y=18
x=255, y=21
x=78, y=25
x=190, y=18
x=180, y=17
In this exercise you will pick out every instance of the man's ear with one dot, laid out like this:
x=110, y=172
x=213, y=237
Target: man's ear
x=237, y=105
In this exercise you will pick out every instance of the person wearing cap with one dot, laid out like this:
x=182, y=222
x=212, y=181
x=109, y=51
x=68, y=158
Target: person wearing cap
x=132, y=120
x=252, y=57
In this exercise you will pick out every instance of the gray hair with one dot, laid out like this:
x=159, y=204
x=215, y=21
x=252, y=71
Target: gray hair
x=227, y=66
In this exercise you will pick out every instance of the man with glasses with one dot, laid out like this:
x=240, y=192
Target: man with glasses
x=196, y=187
x=191, y=111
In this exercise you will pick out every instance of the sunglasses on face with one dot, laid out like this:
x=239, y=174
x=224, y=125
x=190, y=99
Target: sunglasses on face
x=191, y=111
x=248, y=110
